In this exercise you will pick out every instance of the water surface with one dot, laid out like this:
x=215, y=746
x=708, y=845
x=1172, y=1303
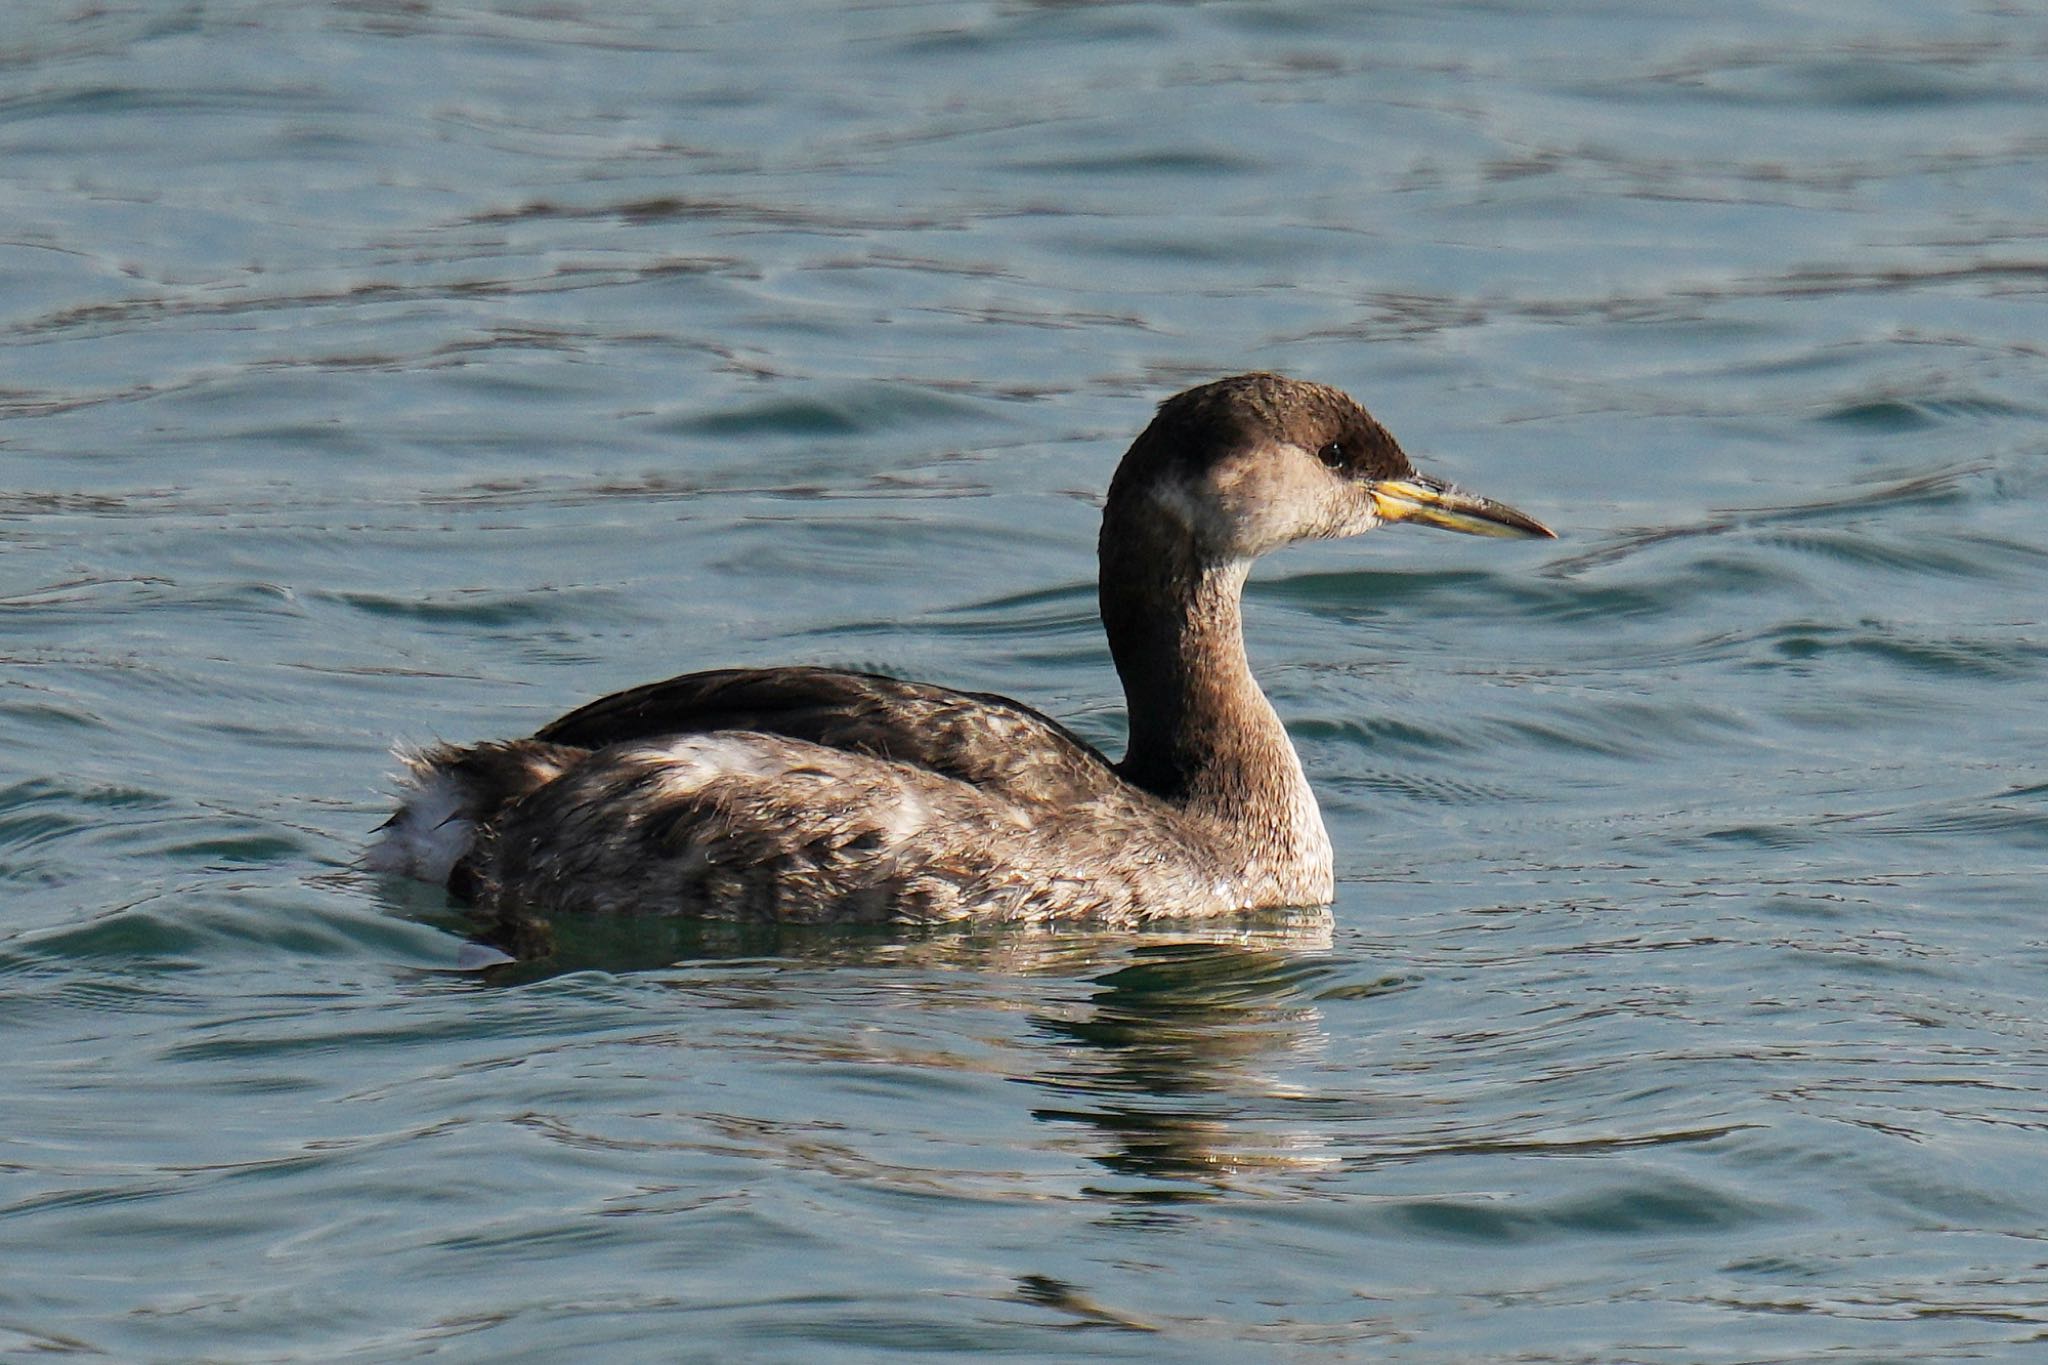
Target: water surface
x=407, y=371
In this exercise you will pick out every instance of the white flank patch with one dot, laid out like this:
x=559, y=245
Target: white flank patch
x=428, y=835
x=689, y=762
x=907, y=818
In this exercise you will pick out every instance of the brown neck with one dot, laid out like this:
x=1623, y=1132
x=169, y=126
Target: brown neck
x=1203, y=736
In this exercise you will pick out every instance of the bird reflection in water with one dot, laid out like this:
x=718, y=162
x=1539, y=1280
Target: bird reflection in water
x=1178, y=1064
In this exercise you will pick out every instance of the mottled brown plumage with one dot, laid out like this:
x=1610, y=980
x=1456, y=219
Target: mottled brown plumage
x=812, y=795
x=977, y=737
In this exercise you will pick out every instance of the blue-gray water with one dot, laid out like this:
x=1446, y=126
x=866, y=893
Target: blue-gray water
x=390, y=371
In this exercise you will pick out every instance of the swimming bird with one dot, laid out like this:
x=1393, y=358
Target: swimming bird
x=817, y=795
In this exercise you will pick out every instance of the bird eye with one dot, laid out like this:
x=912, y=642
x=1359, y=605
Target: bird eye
x=1332, y=454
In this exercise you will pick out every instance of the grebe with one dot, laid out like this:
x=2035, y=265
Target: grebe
x=813, y=795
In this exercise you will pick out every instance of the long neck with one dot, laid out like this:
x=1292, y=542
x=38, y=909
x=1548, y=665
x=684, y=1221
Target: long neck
x=1203, y=736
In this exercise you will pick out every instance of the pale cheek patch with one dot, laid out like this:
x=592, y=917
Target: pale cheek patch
x=1265, y=499
x=1229, y=520
x=1191, y=511
x=1351, y=518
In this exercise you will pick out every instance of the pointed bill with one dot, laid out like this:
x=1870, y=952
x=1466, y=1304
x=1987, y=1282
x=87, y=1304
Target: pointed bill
x=1432, y=502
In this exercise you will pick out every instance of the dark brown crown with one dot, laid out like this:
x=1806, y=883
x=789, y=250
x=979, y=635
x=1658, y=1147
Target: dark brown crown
x=1194, y=429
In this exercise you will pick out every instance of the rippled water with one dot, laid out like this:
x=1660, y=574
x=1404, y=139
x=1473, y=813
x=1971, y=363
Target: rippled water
x=381, y=370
